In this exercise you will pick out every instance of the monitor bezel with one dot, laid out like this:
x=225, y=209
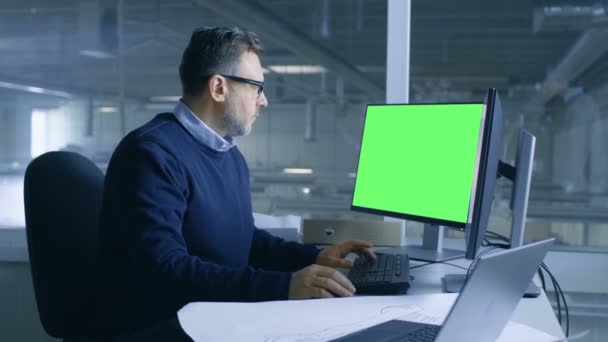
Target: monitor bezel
x=423, y=219
x=485, y=182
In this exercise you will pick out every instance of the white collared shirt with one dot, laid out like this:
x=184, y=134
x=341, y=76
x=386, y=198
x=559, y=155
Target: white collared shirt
x=200, y=130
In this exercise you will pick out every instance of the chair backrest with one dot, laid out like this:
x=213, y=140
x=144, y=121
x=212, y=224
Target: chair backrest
x=63, y=193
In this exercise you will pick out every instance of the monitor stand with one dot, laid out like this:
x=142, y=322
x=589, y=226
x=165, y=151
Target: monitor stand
x=432, y=247
x=521, y=176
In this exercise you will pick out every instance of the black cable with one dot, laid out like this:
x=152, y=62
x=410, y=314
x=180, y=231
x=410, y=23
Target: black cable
x=557, y=298
x=542, y=279
x=566, y=308
x=559, y=310
x=438, y=262
x=428, y=263
x=454, y=265
x=497, y=236
x=559, y=292
x=499, y=245
x=476, y=260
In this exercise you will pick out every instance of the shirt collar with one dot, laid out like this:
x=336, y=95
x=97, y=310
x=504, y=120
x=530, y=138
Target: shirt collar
x=200, y=130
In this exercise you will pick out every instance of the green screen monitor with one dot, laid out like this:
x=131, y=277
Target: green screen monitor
x=420, y=162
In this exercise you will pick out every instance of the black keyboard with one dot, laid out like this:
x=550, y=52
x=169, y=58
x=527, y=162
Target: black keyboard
x=390, y=274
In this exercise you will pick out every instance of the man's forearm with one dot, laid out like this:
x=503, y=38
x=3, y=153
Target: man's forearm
x=272, y=253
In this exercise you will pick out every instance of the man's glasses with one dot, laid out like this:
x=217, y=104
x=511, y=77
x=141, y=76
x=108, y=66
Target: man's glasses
x=258, y=84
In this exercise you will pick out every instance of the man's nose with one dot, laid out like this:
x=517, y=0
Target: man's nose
x=263, y=101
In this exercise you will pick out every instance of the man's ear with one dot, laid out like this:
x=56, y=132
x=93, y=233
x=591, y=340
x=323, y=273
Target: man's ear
x=218, y=87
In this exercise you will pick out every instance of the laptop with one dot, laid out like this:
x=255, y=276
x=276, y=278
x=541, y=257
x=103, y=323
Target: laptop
x=482, y=310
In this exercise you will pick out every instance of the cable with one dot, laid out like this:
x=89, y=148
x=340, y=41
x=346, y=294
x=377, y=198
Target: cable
x=559, y=292
x=428, y=263
x=497, y=236
x=454, y=265
x=565, y=307
x=501, y=238
x=557, y=297
x=438, y=262
x=476, y=260
x=499, y=245
x=542, y=279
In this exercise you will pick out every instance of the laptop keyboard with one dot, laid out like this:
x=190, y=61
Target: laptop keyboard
x=424, y=334
x=388, y=275
x=394, y=331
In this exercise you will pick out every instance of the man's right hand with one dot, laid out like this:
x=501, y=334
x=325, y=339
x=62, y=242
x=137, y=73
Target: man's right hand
x=316, y=281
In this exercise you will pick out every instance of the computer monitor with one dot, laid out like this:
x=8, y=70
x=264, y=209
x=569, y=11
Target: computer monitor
x=486, y=174
x=490, y=169
x=432, y=163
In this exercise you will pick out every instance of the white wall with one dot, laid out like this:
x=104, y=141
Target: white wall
x=15, y=131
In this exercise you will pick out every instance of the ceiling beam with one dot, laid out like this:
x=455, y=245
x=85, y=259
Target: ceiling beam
x=587, y=49
x=578, y=214
x=277, y=30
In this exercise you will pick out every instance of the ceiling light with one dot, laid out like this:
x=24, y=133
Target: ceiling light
x=35, y=90
x=297, y=69
x=599, y=11
x=306, y=191
x=170, y=98
x=297, y=171
x=107, y=109
x=96, y=54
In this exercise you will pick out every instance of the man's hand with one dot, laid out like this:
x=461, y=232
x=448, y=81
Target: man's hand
x=317, y=281
x=334, y=256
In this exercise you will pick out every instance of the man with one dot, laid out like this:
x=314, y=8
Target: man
x=177, y=224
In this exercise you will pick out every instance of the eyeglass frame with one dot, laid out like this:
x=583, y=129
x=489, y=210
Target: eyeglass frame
x=259, y=84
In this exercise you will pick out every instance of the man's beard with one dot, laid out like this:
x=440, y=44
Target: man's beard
x=231, y=124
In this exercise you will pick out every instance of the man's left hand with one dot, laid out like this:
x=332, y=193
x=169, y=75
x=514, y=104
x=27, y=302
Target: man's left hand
x=334, y=256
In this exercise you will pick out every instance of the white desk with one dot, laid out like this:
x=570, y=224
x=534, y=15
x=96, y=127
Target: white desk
x=535, y=312
x=326, y=319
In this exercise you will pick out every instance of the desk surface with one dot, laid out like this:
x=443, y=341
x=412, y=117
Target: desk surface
x=535, y=312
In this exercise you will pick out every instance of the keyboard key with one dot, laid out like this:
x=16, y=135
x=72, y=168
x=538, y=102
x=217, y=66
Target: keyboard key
x=370, y=277
x=389, y=259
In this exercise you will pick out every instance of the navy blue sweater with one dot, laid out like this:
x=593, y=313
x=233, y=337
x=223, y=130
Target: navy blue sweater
x=177, y=227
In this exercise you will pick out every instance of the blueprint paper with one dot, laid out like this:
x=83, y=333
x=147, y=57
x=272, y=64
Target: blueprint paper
x=322, y=319
x=306, y=320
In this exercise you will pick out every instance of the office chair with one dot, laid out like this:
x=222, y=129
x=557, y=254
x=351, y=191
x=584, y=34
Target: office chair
x=63, y=193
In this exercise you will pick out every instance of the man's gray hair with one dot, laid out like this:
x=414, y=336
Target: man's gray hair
x=214, y=50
